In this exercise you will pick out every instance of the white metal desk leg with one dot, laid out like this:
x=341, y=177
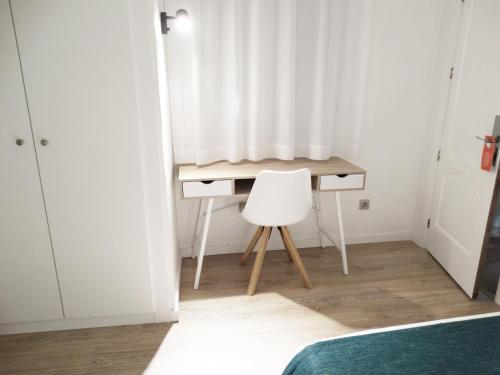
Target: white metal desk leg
x=201, y=254
x=318, y=220
x=341, y=233
x=197, y=226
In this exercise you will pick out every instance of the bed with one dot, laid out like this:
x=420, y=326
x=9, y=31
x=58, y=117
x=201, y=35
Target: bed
x=466, y=345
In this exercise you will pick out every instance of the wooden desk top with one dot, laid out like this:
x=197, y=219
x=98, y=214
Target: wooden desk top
x=250, y=169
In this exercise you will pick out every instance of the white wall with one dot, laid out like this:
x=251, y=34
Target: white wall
x=156, y=152
x=402, y=63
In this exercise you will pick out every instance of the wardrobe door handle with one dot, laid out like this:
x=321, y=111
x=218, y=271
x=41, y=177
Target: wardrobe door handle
x=19, y=141
x=44, y=142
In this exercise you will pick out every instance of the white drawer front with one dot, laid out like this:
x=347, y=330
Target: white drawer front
x=335, y=182
x=206, y=189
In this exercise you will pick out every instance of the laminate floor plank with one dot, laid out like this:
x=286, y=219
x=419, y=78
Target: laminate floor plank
x=223, y=331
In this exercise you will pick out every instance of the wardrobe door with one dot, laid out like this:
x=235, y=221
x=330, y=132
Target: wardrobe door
x=28, y=282
x=78, y=67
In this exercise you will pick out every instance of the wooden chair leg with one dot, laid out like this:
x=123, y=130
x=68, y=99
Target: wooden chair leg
x=251, y=245
x=296, y=257
x=286, y=246
x=252, y=285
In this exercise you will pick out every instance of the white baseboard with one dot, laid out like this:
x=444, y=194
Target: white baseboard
x=216, y=249
x=379, y=237
x=64, y=324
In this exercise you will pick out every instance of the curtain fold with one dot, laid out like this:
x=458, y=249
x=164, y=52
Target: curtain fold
x=256, y=79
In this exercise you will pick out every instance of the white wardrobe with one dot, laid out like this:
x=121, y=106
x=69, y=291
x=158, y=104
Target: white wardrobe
x=73, y=235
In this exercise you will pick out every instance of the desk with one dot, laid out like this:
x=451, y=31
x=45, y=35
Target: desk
x=224, y=179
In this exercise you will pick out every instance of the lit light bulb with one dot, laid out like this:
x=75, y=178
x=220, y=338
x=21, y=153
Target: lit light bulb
x=182, y=21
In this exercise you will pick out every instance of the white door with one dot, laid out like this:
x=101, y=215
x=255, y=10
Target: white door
x=28, y=282
x=79, y=74
x=463, y=192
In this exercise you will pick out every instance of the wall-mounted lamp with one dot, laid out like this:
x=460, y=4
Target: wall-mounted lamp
x=181, y=18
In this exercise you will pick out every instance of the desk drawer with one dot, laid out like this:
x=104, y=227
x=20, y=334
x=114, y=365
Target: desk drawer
x=342, y=182
x=212, y=188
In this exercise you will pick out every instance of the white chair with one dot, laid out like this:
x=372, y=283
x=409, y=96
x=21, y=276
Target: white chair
x=277, y=199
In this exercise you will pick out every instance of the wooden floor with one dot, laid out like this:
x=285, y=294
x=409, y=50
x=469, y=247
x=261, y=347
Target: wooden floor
x=224, y=331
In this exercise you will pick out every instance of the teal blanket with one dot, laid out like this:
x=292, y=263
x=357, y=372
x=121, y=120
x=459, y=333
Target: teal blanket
x=464, y=347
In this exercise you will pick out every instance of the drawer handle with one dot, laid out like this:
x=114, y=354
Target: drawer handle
x=341, y=175
x=206, y=182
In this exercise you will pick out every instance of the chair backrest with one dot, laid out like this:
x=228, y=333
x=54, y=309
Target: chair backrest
x=279, y=198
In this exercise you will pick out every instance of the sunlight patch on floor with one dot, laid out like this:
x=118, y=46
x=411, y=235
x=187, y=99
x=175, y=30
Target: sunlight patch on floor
x=231, y=335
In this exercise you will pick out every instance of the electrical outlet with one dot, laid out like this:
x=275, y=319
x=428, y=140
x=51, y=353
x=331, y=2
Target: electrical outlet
x=364, y=204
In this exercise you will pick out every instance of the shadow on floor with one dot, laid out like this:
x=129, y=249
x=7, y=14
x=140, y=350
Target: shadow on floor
x=95, y=351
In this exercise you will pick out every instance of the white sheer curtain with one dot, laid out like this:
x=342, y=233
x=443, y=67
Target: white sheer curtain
x=267, y=78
